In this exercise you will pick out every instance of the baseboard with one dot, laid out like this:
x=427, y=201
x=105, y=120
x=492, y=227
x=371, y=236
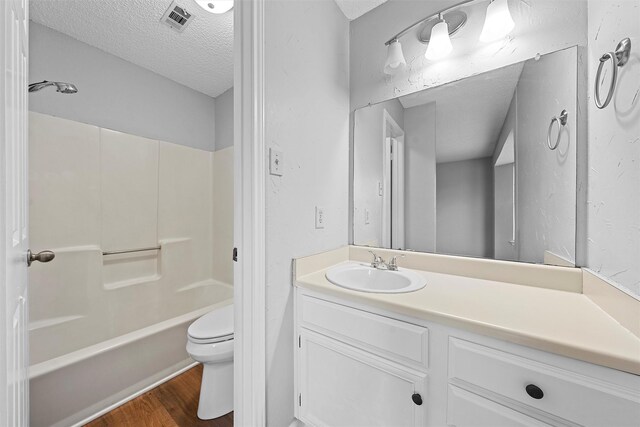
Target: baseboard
x=296, y=423
x=134, y=395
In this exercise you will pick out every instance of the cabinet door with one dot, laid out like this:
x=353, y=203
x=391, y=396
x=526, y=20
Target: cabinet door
x=466, y=409
x=342, y=386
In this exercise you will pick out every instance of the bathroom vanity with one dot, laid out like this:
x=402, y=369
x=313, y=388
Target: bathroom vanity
x=463, y=351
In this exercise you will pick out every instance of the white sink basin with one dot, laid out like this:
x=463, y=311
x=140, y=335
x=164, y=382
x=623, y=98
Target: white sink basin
x=362, y=277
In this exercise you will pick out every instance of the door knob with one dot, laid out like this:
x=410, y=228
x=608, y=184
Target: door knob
x=43, y=256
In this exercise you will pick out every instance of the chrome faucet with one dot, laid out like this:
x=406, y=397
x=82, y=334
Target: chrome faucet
x=380, y=264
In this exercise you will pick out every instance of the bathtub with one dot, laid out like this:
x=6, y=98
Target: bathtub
x=73, y=389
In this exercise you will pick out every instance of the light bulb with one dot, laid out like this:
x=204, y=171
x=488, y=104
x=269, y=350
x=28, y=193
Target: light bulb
x=216, y=6
x=498, y=22
x=439, y=43
x=395, y=58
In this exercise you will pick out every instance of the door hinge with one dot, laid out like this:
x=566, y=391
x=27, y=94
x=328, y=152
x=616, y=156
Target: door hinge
x=235, y=254
x=299, y=341
x=300, y=399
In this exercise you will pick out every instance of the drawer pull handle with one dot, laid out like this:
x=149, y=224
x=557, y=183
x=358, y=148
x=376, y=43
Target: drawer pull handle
x=417, y=399
x=534, y=391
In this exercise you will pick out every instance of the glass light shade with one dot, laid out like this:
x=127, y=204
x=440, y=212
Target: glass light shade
x=498, y=22
x=395, y=58
x=439, y=43
x=216, y=6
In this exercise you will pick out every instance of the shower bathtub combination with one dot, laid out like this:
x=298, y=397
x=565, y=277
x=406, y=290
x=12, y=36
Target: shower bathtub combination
x=132, y=222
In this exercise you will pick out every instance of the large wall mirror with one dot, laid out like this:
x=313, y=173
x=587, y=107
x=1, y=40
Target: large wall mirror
x=484, y=166
x=521, y=147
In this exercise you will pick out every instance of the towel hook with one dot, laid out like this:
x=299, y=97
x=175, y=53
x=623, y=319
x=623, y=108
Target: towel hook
x=561, y=120
x=618, y=59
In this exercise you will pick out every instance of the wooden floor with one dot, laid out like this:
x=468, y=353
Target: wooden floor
x=172, y=404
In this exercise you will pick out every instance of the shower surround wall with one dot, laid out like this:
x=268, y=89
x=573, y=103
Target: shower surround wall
x=95, y=190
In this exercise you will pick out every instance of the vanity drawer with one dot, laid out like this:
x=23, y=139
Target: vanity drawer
x=575, y=397
x=392, y=339
x=466, y=409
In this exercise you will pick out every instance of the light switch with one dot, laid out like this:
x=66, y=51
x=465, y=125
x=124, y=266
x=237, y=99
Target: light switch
x=320, y=219
x=275, y=162
x=380, y=189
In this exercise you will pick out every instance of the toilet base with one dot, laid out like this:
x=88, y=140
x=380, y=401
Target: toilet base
x=216, y=391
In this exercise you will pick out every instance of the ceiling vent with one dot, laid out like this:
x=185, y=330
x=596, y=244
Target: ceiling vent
x=177, y=17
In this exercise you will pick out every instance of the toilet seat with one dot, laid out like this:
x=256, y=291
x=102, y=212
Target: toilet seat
x=210, y=340
x=213, y=327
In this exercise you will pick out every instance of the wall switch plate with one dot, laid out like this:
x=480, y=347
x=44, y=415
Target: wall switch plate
x=320, y=219
x=275, y=162
x=380, y=189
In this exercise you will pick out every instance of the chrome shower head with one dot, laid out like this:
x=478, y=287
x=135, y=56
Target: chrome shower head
x=61, y=87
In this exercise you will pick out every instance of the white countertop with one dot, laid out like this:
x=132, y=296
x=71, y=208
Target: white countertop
x=557, y=321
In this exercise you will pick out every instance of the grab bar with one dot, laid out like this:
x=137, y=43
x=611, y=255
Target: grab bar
x=618, y=59
x=154, y=248
x=561, y=121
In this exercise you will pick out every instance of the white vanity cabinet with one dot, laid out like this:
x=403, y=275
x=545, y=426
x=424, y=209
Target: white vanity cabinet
x=343, y=386
x=360, y=366
x=356, y=368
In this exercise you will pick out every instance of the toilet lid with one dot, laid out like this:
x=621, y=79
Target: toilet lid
x=216, y=324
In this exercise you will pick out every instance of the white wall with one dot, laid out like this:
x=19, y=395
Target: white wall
x=614, y=149
x=367, y=153
x=542, y=26
x=307, y=118
x=111, y=91
x=546, y=180
x=420, y=178
x=464, y=208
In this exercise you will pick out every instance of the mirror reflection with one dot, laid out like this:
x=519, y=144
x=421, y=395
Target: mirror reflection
x=483, y=167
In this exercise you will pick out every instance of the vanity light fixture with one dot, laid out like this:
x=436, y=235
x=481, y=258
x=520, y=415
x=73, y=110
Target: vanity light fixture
x=216, y=6
x=498, y=22
x=439, y=43
x=395, y=58
x=435, y=31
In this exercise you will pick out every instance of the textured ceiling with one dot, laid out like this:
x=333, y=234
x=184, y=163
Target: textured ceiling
x=201, y=57
x=353, y=9
x=469, y=113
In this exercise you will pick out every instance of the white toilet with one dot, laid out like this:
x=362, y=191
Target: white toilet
x=210, y=342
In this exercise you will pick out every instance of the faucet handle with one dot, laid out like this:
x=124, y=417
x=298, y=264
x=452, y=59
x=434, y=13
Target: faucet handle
x=377, y=259
x=393, y=264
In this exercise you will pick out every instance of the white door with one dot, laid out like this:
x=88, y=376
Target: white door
x=14, y=356
x=342, y=386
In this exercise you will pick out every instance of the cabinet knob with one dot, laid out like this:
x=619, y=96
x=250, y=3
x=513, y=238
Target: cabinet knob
x=417, y=399
x=534, y=391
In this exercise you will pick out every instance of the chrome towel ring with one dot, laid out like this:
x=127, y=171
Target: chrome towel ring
x=618, y=59
x=561, y=121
